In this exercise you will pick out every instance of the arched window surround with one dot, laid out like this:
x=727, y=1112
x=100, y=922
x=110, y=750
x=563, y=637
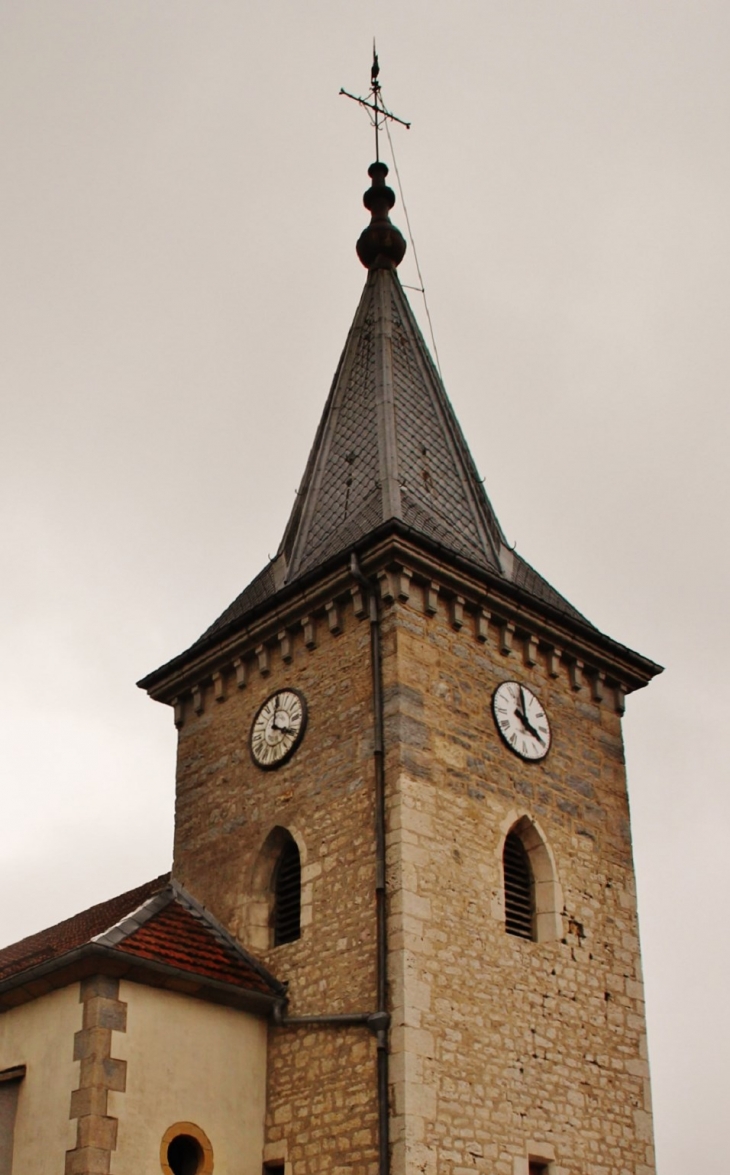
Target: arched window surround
x=260, y=934
x=548, y=893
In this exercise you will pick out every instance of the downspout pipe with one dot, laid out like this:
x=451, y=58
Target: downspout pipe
x=383, y=1021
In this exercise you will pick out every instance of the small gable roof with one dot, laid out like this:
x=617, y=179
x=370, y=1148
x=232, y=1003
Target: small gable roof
x=157, y=934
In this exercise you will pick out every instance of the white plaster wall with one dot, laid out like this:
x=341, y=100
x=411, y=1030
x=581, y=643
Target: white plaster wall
x=189, y=1061
x=40, y=1035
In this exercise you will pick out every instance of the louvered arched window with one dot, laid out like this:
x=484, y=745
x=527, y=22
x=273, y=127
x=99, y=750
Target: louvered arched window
x=519, y=889
x=287, y=887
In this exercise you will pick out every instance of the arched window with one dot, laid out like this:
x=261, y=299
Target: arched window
x=278, y=903
x=287, y=887
x=533, y=899
x=519, y=889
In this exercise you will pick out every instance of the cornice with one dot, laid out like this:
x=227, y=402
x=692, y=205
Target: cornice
x=410, y=573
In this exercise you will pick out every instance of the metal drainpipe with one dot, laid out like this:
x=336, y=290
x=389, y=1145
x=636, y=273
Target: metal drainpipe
x=381, y=1033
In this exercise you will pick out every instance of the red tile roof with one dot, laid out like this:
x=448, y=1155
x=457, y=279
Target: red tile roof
x=157, y=927
x=74, y=932
x=179, y=939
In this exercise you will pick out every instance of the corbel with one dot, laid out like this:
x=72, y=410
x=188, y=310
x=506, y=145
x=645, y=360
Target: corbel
x=598, y=680
x=241, y=675
x=388, y=588
x=333, y=617
x=619, y=693
x=575, y=671
x=457, y=612
x=219, y=687
x=262, y=655
x=432, y=598
x=404, y=576
x=178, y=709
x=285, y=647
x=308, y=626
x=553, y=660
x=198, y=699
x=530, y=650
x=358, y=601
x=483, y=618
x=506, y=636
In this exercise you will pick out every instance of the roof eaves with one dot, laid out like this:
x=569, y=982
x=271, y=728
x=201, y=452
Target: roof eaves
x=92, y=957
x=570, y=617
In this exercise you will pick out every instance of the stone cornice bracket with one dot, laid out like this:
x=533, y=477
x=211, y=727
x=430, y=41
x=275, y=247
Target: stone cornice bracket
x=334, y=619
x=285, y=645
x=358, y=601
x=262, y=656
x=198, y=698
x=598, y=680
x=506, y=636
x=241, y=671
x=395, y=584
x=619, y=691
x=431, y=598
x=575, y=671
x=404, y=583
x=178, y=707
x=387, y=586
x=553, y=660
x=530, y=650
x=219, y=687
x=457, y=612
x=310, y=632
x=482, y=624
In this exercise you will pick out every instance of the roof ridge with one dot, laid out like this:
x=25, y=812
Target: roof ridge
x=485, y=517
x=222, y=935
x=132, y=922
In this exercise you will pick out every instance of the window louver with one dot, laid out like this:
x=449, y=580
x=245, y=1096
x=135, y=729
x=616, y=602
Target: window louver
x=287, y=895
x=518, y=898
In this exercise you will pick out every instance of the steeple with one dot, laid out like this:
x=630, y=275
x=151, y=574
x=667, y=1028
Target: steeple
x=389, y=451
x=389, y=454
x=389, y=448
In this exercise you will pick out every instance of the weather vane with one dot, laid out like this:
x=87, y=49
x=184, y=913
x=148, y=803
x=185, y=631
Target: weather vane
x=374, y=103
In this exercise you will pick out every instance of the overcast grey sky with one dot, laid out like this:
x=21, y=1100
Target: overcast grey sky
x=181, y=196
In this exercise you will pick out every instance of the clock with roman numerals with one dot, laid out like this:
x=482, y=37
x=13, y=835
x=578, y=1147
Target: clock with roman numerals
x=521, y=720
x=278, y=728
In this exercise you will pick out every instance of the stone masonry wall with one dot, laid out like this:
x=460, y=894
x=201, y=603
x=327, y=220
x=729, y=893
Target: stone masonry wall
x=322, y=1108
x=506, y=1049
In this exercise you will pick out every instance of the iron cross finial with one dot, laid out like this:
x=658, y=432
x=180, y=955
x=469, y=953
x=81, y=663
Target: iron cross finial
x=374, y=103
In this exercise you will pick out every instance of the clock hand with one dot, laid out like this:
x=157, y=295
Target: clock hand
x=522, y=715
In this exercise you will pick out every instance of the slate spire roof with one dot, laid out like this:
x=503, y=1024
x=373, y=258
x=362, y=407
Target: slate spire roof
x=389, y=450
x=388, y=447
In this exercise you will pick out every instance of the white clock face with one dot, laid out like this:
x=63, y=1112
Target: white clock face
x=521, y=720
x=278, y=728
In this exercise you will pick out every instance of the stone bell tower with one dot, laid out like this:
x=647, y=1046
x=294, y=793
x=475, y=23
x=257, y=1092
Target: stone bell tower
x=401, y=783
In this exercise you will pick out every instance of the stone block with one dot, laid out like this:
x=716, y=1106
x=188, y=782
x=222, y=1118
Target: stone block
x=101, y=1012
x=97, y=1132
x=91, y=1100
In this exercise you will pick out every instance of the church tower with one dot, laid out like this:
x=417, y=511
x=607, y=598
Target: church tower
x=401, y=785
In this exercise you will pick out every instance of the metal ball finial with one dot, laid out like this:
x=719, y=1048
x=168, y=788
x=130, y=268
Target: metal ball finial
x=381, y=245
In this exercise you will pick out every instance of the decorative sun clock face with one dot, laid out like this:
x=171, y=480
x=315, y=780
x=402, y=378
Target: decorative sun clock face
x=521, y=720
x=278, y=728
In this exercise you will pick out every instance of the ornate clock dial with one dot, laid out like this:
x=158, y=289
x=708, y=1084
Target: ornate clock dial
x=521, y=720
x=278, y=728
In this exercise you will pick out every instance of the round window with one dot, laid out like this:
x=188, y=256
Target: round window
x=186, y=1150
x=184, y=1155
